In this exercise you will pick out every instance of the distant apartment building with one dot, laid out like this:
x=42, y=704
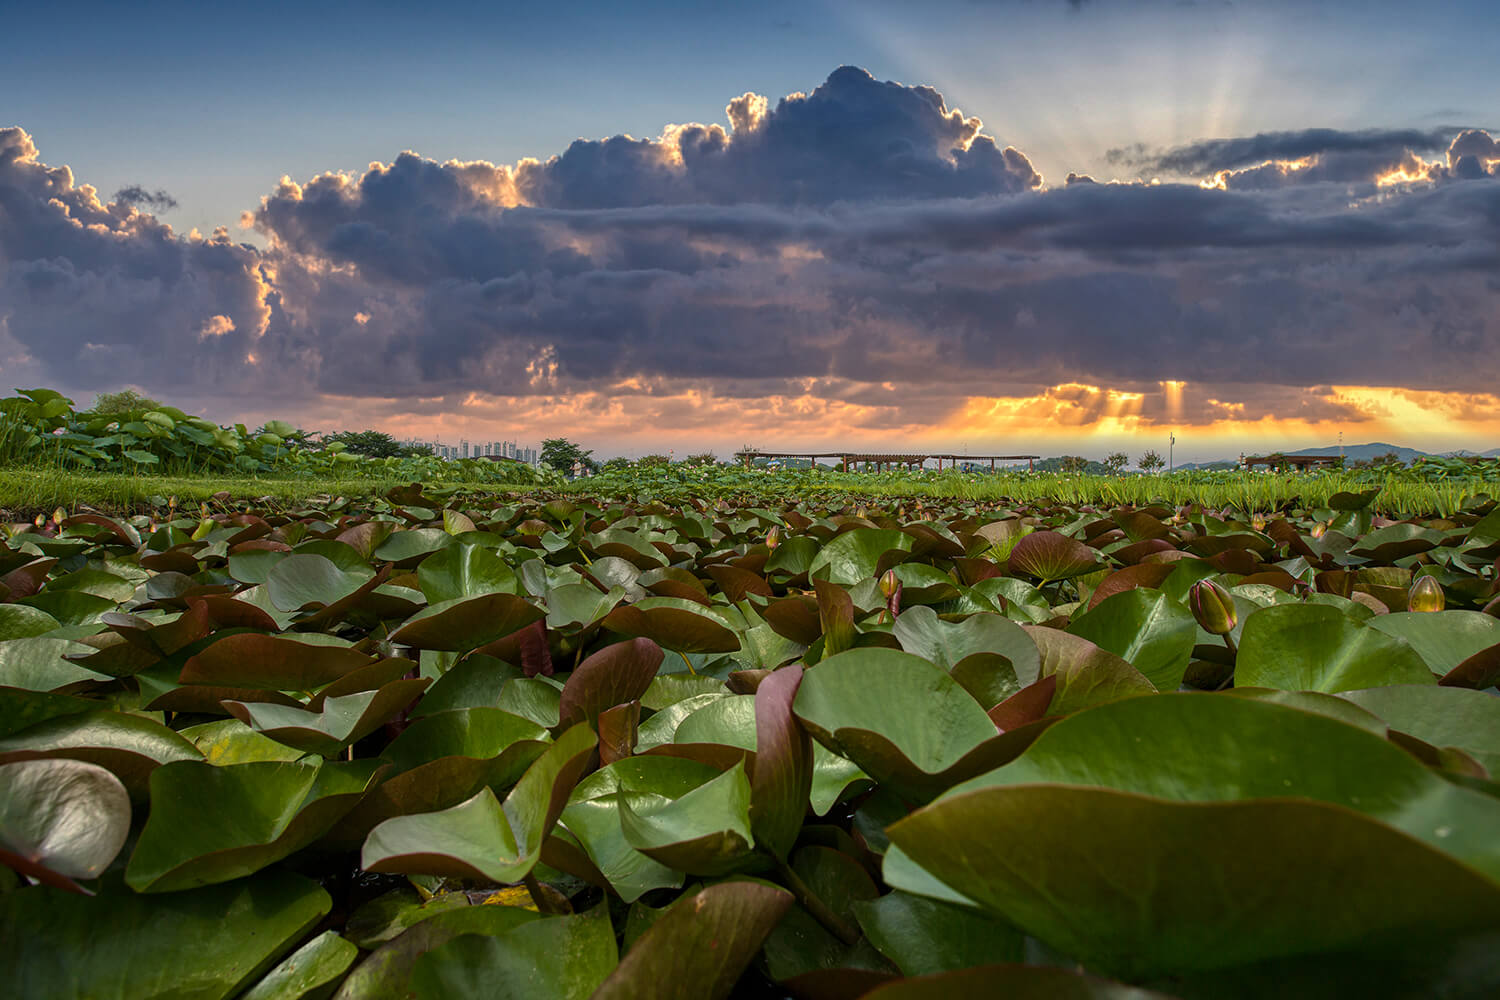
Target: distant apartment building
x=479, y=449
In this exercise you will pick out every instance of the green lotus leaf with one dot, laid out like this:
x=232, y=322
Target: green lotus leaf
x=407, y=547
x=467, y=622
x=19, y=621
x=442, y=760
x=1443, y=639
x=925, y=936
x=1209, y=748
x=313, y=970
x=1442, y=716
x=922, y=633
x=37, y=664
x=1086, y=675
x=129, y=746
x=230, y=741
x=561, y=958
x=1305, y=647
x=99, y=583
x=705, y=832
x=388, y=970
x=305, y=582
x=21, y=709
x=67, y=607
x=858, y=705
x=1014, y=982
x=1147, y=629
x=63, y=818
x=464, y=571
x=700, y=945
x=340, y=722
x=476, y=682
x=483, y=837
x=1396, y=541
x=1116, y=880
x=204, y=944
x=593, y=816
x=857, y=555
x=216, y=823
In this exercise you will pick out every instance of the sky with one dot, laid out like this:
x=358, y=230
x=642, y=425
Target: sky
x=966, y=225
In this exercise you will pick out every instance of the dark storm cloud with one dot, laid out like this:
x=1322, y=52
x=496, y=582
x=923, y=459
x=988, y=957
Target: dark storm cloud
x=861, y=235
x=98, y=293
x=1209, y=156
x=854, y=138
x=141, y=197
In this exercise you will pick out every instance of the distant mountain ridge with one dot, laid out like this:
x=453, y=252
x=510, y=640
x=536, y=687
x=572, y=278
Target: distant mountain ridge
x=1352, y=453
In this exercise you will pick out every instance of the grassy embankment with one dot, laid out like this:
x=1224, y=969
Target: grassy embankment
x=27, y=491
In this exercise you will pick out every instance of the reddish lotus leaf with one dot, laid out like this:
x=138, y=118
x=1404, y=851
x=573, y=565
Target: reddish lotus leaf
x=178, y=560
x=1239, y=561
x=120, y=530
x=617, y=674
x=676, y=629
x=735, y=583
x=367, y=537
x=971, y=571
x=1140, y=526
x=1026, y=706
x=270, y=663
x=782, y=779
x=1480, y=671
x=700, y=946
x=1049, y=556
x=1129, y=578
x=618, y=730
x=1131, y=554
x=226, y=612
x=796, y=618
x=28, y=579
x=836, y=617
x=468, y=623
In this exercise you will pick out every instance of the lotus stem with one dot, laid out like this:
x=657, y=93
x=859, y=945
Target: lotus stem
x=688, y=662
x=821, y=911
x=1233, y=652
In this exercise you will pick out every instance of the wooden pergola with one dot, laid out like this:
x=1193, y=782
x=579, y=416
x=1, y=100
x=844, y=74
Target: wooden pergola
x=1299, y=462
x=883, y=460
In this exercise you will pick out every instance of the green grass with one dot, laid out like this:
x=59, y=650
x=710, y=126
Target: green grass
x=26, y=492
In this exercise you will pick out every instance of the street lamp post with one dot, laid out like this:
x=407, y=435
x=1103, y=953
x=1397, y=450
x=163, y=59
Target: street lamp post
x=1171, y=444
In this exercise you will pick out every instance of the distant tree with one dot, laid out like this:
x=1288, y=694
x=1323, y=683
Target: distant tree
x=705, y=458
x=1116, y=461
x=1151, y=462
x=124, y=401
x=615, y=464
x=374, y=444
x=1074, y=463
x=560, y=453
x=650, y=460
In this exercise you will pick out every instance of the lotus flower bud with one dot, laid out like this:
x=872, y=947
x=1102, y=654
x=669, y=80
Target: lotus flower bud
x=1213, y=607
x=1426, y=594
x=889, y=583
x=1319, y=530
x=1258, y=522
x=773, y=537
x=41, y=520
x=59, y=515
